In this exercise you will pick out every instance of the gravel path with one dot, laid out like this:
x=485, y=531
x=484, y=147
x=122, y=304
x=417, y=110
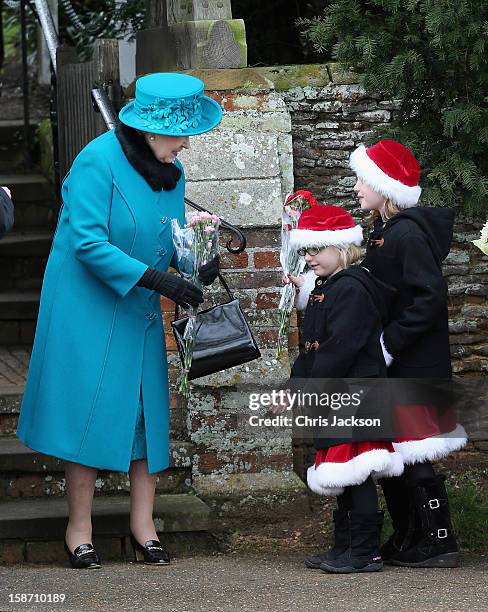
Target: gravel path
x=250, y=583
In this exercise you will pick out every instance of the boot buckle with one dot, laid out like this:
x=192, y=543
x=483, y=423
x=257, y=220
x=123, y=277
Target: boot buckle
x=442, y=533
x=434, y=503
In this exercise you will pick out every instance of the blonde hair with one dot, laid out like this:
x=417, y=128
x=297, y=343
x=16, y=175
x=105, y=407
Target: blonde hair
x=390, y=210
x=348, y=254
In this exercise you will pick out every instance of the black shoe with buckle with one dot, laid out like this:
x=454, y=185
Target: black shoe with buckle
x=83, y=557
x=151, y=553
x=434, y=543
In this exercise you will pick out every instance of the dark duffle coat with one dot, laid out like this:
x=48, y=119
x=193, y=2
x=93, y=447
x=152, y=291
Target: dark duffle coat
x=343, y=322
x=407, y=252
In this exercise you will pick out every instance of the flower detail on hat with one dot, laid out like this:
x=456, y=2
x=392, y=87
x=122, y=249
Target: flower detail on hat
x=176, y=116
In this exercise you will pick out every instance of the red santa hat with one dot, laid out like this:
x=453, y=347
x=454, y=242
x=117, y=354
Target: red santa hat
x=391, y=169
x=322, y=226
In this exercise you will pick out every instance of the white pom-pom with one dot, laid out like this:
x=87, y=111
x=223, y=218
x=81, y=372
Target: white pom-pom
x=387, y=356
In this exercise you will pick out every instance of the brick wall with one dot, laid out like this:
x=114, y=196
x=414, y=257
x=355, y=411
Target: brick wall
x=327, y=123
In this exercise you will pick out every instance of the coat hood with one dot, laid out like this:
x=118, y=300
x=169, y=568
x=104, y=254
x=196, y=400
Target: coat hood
x=436, y=223
x=381, y=293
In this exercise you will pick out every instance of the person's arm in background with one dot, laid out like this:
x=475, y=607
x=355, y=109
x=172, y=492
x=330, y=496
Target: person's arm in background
x=6, y=211
x=424, y=281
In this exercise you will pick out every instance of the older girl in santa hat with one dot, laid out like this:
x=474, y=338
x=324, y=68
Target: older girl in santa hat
x=406, y=249
x=345, y=315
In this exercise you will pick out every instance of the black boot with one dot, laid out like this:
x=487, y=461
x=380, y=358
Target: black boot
x=397, y=501
x=341, y=541
x=434, y=543
x=364, y=553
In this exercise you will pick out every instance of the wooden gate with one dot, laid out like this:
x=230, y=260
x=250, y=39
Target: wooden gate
x=78, y=122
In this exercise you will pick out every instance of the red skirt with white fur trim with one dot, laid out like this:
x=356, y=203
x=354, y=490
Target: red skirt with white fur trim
x=426, y=433
x=351, y=464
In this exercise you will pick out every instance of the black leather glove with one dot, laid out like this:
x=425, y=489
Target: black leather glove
x=209, y=271
x=174, y=287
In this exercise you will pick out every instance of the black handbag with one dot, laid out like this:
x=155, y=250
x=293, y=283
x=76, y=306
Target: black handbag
x=223, y=338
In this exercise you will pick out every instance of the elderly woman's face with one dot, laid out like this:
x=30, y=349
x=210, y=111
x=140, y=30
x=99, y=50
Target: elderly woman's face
x=166, y=148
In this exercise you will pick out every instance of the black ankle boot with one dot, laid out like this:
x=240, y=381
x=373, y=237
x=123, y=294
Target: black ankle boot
x=396, y=496
x=341, y=541
x=433, y=543
x=363, y=554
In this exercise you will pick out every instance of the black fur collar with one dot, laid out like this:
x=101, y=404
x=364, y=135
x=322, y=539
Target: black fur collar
x=157, y=174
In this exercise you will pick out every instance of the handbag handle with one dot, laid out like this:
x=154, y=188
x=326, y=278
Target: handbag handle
x=225, y=286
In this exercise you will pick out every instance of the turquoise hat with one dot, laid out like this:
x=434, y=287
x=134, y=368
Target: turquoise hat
x=171, y=104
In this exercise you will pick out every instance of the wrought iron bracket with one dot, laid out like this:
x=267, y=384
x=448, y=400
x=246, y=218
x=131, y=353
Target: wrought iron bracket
x=235, y=250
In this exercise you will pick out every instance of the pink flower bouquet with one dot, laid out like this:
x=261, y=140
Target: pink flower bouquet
x=291, y=262
x=195, y=245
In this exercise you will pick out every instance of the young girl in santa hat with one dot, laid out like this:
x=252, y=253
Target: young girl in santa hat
x=345, y=315
x=406, y=249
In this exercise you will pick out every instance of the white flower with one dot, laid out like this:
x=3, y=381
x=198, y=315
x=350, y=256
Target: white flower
x=482, y=243
x=484, y=233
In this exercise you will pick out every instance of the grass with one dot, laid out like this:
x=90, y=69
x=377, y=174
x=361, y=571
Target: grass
x=469, y=509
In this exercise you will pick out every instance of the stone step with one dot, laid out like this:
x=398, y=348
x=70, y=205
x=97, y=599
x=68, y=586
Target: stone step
x=18, y=317
x=45, y=519
x=23, y=258
x=27, y=187
x=18, y=305
x=16, y=457
x=12, y=151
x=10, y=400
x=12, y=157
x=13, y=373
x=33, y=198
x=33, y=243
x=11, y=390
x=26, y=473
x=12, y=130
x=13, y=332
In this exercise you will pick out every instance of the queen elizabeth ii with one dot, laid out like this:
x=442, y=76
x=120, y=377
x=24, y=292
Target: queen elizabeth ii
x=97, y=390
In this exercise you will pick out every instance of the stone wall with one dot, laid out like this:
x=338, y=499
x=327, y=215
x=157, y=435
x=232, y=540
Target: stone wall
x=243, y=175
x=242, y=172
x=328, y=122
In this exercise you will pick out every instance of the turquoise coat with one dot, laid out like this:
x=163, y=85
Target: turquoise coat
x=99, y=338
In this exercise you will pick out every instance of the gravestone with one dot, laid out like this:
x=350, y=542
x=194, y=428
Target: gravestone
x=186, y=34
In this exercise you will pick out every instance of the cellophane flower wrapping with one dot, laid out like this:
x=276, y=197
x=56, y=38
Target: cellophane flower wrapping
x=195, y=245
x=291, y=262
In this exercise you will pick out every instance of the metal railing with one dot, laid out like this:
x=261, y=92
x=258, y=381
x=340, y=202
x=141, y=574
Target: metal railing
x=103, y=98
